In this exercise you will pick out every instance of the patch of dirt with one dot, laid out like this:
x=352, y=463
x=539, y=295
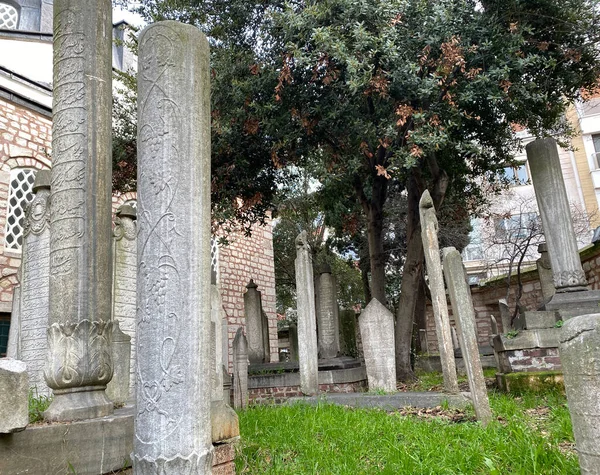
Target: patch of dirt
x=450, y=415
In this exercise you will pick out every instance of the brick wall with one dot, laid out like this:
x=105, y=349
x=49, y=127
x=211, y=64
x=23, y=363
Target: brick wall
x=485, y=298
x=277, y=395
x=245, y=258
x=25, y=142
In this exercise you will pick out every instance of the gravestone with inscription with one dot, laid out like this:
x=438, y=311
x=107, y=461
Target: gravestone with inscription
x=172, y=428
x=79, y=361
x=429, y=235
x=125, y=280
x=35, y=283
x=256, y=325
x=240, y=370
x=12, y=347
x=308, y=357
x=376, y=325
x=327, y=315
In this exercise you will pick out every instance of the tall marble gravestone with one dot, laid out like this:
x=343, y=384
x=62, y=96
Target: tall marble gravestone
x=308, y=357
x=328, y=327
x=580, y=359
x=12, y=348
x=429, y=231
x=35, y=283
x=172, y=424
x=572, y=292
x=79, y=352
x=125, y=280
x=240, y=370
x=256, y=325
x=376, y=325
x=462, y=307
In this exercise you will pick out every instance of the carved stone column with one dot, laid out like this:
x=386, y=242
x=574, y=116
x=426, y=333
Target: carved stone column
x=79, y=361
x=172, y=421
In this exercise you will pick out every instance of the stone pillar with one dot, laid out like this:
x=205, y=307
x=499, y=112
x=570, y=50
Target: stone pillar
x=79, y=364
x=307, y=325
x=224, y=420
x=544, y=269
x=35, y=283
x=568, y=274
x=125, y=281
x=376, y=324
x=580, y=360
x=118, y=389
x=505, y=315
x=464, y=314
x=328, y=328
x=12, y=349
x=256, y=327
x=172, y=422
x=429, y=234
x=240, y=370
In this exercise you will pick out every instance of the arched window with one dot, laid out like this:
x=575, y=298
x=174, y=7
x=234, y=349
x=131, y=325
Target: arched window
x=9, y=17
x=19, y=195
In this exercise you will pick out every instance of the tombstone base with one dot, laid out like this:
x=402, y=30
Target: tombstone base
x=79, y=403
x=224, y=422
x=574, y=301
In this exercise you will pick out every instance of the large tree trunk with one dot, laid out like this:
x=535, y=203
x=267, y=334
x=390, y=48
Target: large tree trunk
x=376, y=256
x=420, y=320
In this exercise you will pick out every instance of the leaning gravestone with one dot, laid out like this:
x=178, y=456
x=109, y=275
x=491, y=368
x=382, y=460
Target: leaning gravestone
x=327, y=315
x=125, y=280
x=79, y=328
x=307, y=326
x=256, y=325
x=462, y=307
x=580, y=360
x=172, y=421
x=376, y=324
x=429, y=231
x=33, y=294
x=240, y=370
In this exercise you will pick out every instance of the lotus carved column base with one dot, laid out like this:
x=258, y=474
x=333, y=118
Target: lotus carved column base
x=79, y=403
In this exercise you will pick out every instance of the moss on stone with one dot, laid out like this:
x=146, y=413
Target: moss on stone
x=532, y=381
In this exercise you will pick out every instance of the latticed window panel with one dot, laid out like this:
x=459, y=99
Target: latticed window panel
x=214, y=256
x=21, y=193
x=9, y=17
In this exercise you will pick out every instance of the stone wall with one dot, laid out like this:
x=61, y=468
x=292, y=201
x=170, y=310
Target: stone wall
x=25, y=142
x=277, y=395
x=486, y=296
x=245, y=258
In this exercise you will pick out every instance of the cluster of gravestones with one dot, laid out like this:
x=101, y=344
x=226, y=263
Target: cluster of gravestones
x=109, y=314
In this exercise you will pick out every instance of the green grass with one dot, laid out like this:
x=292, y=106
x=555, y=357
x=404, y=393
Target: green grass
x=531, y=435
x=38, y=403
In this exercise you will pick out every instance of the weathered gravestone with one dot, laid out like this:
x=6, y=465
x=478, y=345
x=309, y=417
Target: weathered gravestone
x=376, y=324
x=173, y=338
x=544, y=268
x=118, y=388
x=257, y=325
x=79, y=364
x=240, y=370
x=307, y=326
x=348, y=333
x=462, y=307
x=12, y=347
x=429, y=231
x=14, y=391
x=125, y=281
x=327, y=315
x=33, y=295
x=580, y=359
x=293, y=337
x=224, y=420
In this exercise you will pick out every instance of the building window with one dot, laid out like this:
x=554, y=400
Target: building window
x=4, y=329
x=516, y=175
x=214, y=256
x=596, y=154
x=474, y=251
x=518, y=226
x=20, y=194
x=9, y=17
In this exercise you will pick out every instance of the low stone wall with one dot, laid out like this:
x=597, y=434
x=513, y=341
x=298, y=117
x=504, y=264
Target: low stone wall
x=536, y=359
x=276, y=388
